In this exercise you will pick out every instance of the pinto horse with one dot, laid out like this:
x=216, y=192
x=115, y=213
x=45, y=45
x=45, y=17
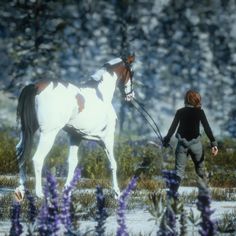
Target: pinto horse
x=84, y=112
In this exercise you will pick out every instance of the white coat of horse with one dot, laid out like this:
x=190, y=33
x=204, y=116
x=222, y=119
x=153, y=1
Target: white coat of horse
x=85, y=112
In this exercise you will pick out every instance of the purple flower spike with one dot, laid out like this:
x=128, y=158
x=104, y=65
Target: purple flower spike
x=122, y=229
x=43, y=221
x=101, y=213
x=49, y=220
x=168, y=222
x=208, y=227
x=66, y=201
x=32, y=210
x=16, y=227
x=171, y=183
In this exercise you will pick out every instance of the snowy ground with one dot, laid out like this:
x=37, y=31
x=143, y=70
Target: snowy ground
x=138, y=220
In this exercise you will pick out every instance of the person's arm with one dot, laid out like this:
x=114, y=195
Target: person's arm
x=208, y=131
x=171, y=130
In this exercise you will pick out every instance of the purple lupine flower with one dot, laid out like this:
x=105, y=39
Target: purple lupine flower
x=168, y=226
x=165, y=228
x=43, y=220
x=66, y=201
x=208, y=227
x=171, y=219
x=49, y=220
x=101, y=213
x=168, y=223
x=122, y=229
x=32, y=210
x=31, y=214
x=91, y=145
x=16, y=227
x=171, y=183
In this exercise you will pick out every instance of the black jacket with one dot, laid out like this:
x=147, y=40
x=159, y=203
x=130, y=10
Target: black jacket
x=188, y=120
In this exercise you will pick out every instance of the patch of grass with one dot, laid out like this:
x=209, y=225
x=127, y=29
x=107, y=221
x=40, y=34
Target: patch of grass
x=5, y=203
x=129, y=154
x=227, y=223
x=7, y=153
x=8, y=181
x=225, y=194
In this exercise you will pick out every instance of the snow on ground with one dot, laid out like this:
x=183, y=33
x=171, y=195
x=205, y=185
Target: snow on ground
x=138, y=220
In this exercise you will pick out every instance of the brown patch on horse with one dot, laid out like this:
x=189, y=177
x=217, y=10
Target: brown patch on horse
x=80, y=102
x=117, y=68
x=122, y=72
x=40, y=86
x=130, y=59
x=122, y=69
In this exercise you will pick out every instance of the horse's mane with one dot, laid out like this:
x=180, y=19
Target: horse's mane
x=91, y=83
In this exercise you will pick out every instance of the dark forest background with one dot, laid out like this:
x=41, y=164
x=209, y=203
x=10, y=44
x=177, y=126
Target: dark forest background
x=178, y=45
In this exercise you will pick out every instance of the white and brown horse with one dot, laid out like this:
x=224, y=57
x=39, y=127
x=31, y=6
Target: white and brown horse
x=85, y=112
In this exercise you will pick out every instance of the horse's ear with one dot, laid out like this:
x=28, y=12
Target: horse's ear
x=131, y=58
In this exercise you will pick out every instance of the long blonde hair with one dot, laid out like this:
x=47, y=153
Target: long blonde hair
x=193, y=98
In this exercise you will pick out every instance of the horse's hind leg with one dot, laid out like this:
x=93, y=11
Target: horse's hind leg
x=20, y=190
x=46, y=141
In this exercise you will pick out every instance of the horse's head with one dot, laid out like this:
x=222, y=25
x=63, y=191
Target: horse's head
x=125, y=76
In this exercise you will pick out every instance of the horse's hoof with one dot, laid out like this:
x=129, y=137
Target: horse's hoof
x=117, y=195
x=19, y=194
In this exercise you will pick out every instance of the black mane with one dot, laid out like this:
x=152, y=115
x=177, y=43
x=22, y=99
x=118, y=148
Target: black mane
x=91, y=83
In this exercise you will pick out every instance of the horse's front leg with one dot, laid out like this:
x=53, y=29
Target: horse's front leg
x=73, y=157
x=109, y=143
x=46, y=141
x=72, y=162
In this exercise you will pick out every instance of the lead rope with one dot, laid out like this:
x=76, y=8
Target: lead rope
x=143, y=111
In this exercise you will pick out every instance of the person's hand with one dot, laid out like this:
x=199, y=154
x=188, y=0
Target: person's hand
x=165, y=142
x=214, y=151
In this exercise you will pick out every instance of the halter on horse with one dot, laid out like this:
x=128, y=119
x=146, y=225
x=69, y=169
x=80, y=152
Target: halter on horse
x=84, y=112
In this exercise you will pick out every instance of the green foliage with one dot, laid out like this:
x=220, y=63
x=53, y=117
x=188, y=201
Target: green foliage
x=56, y=160
x=125, y=160
x=193, y=218
x=157, y=206
x=5, y=206
x=223, y=194
x=227, y=223
x=149, y=184
x=129, y=156
x=7, y=153
x=222, y=167
x=94, y=163
x=8, y=181
x=183, y=222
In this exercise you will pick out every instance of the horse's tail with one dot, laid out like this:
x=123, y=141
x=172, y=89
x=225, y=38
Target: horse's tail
x=26, y=114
